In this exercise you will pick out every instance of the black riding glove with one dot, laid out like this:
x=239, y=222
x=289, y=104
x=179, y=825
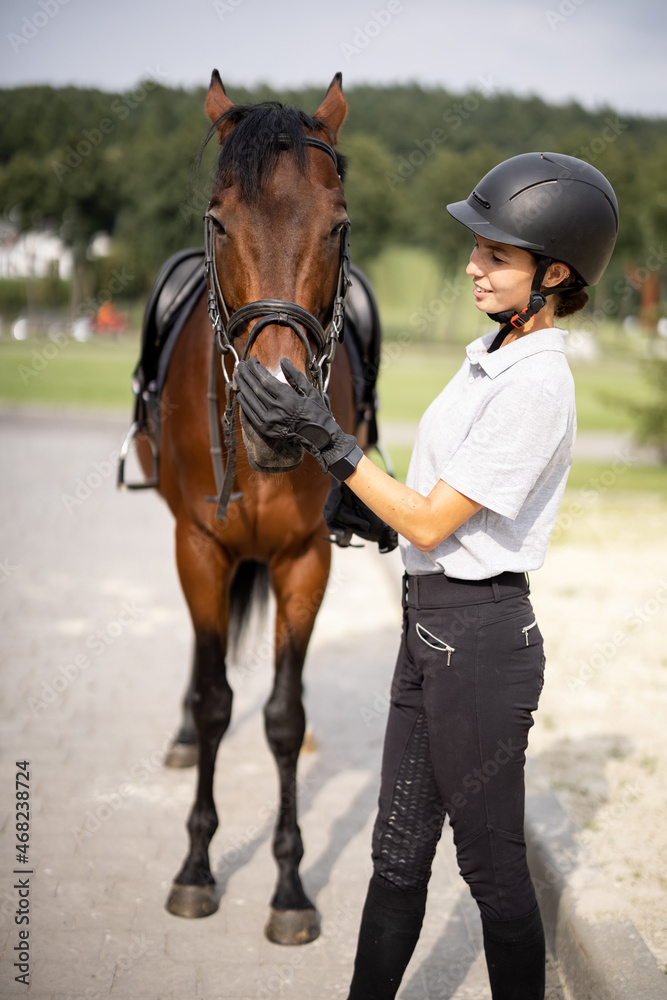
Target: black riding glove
x=345, y=513
x=295, y=411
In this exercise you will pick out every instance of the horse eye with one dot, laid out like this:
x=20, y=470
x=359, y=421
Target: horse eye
x=218, y=226
x=337, y=230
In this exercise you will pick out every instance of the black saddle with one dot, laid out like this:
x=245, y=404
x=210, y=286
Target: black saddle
x=180, y=283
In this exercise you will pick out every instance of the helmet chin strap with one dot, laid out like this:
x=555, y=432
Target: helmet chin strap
x=515, y=320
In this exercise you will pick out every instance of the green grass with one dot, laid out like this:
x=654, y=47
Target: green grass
x=602, y=476
x=601, y=389
x=413, y=375
x=96, y=374
x=584, y=476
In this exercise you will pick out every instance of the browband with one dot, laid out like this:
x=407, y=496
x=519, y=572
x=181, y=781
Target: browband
x=316, y=143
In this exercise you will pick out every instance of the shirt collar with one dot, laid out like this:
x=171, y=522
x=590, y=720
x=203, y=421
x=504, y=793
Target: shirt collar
x=499, y=361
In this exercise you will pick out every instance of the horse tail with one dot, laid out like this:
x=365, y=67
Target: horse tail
x=249, y=591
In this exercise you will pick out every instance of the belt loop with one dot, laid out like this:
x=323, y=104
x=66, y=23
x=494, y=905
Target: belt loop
x=414, y=583
x=495, y=587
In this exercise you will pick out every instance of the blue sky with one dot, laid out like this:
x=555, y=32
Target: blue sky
x=599, y=52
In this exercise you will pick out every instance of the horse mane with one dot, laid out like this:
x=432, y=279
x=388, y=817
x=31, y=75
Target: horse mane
x=260, y=133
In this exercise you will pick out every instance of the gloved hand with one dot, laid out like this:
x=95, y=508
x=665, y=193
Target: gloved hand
x=292, y=411
x=344, y=512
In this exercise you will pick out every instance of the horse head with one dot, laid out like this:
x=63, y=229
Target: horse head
x=277, y=241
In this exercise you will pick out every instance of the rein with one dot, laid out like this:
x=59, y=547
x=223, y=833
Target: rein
x=268, y=312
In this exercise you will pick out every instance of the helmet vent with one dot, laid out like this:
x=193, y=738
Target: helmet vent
x=530, y=187
x=482, y=201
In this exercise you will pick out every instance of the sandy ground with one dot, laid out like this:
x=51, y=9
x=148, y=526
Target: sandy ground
x=601, y=730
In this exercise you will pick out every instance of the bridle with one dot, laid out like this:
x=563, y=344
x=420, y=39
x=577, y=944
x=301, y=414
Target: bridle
x=268, y=312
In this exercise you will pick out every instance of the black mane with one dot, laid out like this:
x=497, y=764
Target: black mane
x=260, y=133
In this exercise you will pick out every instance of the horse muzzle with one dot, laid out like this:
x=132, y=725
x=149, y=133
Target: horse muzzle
x=269, y=455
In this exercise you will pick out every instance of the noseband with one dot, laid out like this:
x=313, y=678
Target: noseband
x=268, y=312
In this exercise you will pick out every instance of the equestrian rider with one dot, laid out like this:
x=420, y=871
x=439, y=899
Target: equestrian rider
x=485, y=480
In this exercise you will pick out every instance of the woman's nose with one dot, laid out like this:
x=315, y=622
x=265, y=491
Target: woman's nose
x=473, y=267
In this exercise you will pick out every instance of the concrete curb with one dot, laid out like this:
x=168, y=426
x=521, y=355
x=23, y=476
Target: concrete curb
x=599, y=951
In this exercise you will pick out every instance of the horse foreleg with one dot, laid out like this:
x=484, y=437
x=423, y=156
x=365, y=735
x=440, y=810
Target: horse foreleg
x=299, y=588
x=204, y=575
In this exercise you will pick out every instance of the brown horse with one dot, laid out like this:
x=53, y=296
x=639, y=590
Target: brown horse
x=274, y=225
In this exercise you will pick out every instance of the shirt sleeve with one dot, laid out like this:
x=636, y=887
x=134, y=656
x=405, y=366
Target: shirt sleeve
x=510, y=444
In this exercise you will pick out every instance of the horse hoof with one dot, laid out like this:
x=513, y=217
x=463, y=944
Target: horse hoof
x=293, y=926
x=192, y=900
x=181, y=755
x=309, y=744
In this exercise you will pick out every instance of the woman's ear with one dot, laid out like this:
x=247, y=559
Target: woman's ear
x=556, y=273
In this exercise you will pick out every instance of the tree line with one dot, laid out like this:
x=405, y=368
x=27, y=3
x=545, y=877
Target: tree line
x=80, y=161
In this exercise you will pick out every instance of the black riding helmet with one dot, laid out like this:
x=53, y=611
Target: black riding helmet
x=556, y=206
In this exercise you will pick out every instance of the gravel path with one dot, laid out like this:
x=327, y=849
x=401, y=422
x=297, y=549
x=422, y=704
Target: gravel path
x=601, y=732
x=95, y=648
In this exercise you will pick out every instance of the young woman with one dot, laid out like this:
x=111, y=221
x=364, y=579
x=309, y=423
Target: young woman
x=485, y=481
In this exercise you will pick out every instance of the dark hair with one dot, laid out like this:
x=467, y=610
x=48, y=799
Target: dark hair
x=570, y=300
x=567, y=300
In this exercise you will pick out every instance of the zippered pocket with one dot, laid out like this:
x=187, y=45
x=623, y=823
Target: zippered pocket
x=434, y=642
x=526, y=629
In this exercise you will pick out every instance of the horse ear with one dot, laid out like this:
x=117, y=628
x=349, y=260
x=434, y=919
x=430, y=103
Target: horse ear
x=217, y=103
x=333, y=108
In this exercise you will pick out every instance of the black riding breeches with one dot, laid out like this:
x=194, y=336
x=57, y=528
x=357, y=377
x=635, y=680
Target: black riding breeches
x=468, y=677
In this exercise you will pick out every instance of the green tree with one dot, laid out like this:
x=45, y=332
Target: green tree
x=371, y=206
x=651, y=416
x=446, y=177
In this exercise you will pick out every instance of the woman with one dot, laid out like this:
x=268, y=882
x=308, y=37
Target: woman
x=486, y=477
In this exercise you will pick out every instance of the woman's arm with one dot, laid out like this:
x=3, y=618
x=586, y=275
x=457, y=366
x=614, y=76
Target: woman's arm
x=424, y=521
x=295, y=409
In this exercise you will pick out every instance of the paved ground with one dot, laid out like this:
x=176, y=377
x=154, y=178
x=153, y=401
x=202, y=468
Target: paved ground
x=95, y=651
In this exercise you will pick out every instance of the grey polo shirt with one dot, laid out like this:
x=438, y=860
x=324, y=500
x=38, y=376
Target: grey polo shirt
x=501, y=432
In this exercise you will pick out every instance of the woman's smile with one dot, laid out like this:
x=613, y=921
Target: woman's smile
x=502, y=275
